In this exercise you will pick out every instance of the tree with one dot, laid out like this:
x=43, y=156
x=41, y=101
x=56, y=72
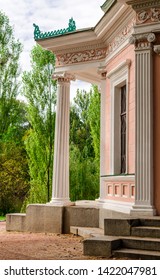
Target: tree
x=84, y=145
x=13, y=162
x=14, y=177
x=10, y=50
x=94, y=120
x=40, y=92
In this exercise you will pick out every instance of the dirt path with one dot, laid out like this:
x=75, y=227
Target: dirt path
x=40, y=246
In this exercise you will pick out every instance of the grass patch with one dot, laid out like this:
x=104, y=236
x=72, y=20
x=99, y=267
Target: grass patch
x=2, y=218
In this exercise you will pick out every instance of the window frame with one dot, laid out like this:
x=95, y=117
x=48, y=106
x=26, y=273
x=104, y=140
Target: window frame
x=119, y=77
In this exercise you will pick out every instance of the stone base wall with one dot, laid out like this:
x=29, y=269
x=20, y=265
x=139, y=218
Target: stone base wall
x=52, y=219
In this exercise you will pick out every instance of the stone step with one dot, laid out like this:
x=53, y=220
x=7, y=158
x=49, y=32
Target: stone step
x=119, y=227
x=101, y=246
x=148, y=222
x=87, y=231
x=146, y=231
x=136, y=254
x=140, y=243
x=105, y=245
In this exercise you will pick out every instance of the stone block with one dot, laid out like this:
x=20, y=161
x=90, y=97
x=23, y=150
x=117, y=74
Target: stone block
x=16, y=222
x=80, y=216
x=44, y=218
x=119, y=227
x=107, y=214
x=100, y=246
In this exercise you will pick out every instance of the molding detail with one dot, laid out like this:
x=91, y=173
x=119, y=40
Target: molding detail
x=40, y=35
x=121, y=66
x=153, y=14
x=125, y=33
x=92, y=53
x=143, y=4
x=157, y=49
x=83, y=56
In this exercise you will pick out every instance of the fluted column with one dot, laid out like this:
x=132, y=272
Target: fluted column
x=102, y=72
x=60, y=187
x=144, y=125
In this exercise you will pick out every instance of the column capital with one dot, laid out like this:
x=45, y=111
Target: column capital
x=157, y=49
x=143, y=40
x=102, y=72
x=63, y=77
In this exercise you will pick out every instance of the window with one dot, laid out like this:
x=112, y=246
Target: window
x=123, y=129
x=119, y=118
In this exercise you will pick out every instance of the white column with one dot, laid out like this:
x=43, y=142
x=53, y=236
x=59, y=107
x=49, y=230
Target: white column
x=102, y=71
x=60, y=187
x=144, y=130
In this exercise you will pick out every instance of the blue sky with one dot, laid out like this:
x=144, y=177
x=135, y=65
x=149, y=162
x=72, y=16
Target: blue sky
x=48, y=15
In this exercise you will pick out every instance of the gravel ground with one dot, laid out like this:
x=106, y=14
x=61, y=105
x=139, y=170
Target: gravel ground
x=40, y=246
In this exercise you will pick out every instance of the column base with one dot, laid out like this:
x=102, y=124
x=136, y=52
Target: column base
x=60, y=202
x=142, y=210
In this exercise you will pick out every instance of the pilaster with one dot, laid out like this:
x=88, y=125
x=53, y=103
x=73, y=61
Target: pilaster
x=145, y=40
x=60, y=187
x=102, y=72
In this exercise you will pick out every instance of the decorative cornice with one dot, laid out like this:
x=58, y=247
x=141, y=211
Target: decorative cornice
x=143, y=4
x=81, y=56
x=123, y=35
x=94, y=52
x=63, y=77
x=38, y=35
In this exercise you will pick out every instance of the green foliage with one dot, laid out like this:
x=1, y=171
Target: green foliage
x=13, y=162
x=14, y=179
x=39, y=90
x=10, y=50
x=27, y=130
x=84, y=147
x=94, y=121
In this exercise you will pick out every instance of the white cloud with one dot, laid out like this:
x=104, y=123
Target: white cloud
x=49, y=15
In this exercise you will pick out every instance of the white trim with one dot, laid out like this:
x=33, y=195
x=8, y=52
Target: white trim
x=118, y=68
x=129, y=178
x=114, y=205
x=119, y=77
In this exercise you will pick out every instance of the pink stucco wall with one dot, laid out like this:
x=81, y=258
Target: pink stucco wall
x=127, y=53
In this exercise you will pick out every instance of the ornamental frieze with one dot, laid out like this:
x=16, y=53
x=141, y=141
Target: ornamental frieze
x=124, y=34
x=151, y=15
x=81, y=56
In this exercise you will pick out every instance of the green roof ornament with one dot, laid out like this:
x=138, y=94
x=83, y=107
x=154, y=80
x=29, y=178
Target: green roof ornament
x=40, y=35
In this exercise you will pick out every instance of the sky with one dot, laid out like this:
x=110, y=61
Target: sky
x=49, y=15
